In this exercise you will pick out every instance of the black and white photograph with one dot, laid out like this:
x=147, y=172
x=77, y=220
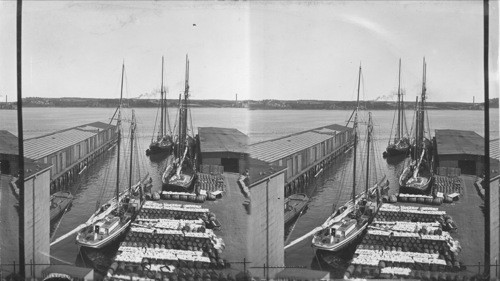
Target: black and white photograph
x=249, y=140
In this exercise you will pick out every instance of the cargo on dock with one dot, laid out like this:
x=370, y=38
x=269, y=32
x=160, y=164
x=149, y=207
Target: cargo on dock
x=411, y=240
x=305, y=153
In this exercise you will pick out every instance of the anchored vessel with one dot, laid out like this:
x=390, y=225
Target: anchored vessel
x=418, y=175
x=345, y=225
x=164, y=142
x=59, y=202
x=112, y=219
x=400, y=145
x=180, y=172
x=294, y=205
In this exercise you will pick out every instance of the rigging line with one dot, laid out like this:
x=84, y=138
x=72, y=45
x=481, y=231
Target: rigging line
x=392, y=127
x=156, y=120
x=191, y=121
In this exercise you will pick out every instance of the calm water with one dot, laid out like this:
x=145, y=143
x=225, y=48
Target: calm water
x=259, y=125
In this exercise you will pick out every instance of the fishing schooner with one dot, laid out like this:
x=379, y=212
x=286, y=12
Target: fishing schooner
x=180, y=171
x=348, y=223
x=400, y=145
x=417, y=177
x=164, y=142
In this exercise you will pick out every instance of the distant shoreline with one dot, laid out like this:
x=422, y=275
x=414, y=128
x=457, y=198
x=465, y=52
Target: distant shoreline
x=249, y=104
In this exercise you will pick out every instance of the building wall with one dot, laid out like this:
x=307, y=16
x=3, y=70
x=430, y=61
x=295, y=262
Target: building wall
x=452, y=161
x=65, y=158
x=494, y=228
x=266, y=228
x=37, y=222
x=215, y=159
x=12, y=162
x=303, y=160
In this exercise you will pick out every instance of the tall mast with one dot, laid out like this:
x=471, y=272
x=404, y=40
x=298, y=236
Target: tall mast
x=183, y=117
x=132, y=133
x=179, y=152
x=368, y=139
x=422, y=103
x=417, y=125
x=399, y=103
x=355, y=127
x=118, y=124
x=162, y=124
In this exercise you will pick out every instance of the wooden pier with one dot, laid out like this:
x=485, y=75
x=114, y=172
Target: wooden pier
x=70, y=151
x=304, y=154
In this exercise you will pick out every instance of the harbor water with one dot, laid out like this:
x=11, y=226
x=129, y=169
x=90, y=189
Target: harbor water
x=326, y=192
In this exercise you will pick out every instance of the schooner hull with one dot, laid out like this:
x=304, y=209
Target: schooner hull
x=342, y=244
x=159, y=149
x=394, y=151
x=414, y=185
x=105, y=241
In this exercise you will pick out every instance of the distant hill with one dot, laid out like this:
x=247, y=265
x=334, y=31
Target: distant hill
x=250, y=104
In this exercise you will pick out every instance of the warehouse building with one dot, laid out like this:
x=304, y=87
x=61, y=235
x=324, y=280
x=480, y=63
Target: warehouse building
x=8, y=153
x=70, y=150
x=460, y=149
x=226, y=147
x=305, y=153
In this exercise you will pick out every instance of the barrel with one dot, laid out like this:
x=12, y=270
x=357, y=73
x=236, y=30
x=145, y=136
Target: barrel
x=156, y=196
x=420, y=200
x=412, y=199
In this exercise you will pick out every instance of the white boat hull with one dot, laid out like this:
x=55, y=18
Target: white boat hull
x=104, y=241
x=335, y=247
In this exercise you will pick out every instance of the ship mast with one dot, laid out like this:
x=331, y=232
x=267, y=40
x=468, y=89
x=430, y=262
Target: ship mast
x=162, y=117
x=355, y=127
x=368, y=139
x=183, y=115
x=399, y=104
x=118, y=124
x=132, y=133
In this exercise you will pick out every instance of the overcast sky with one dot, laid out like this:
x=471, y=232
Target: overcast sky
x=259, y=50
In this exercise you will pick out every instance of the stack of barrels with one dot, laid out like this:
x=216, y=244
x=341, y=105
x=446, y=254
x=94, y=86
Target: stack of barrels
x=448, y=185
x=421, y=199
x=149, y=249
x=194, y=197
x=171, y=214
x=211, y=183
x=439, y=262
x=407, y=216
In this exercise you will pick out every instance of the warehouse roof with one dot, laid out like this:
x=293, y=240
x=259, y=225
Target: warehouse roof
x=213, y=139
x=276, y=149
x=452, y=142
x=39, y=147
x=8, y=143
x=260, y=170
x=495, y=149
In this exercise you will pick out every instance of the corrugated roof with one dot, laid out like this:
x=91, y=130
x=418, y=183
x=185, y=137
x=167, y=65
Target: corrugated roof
x=495, y=149
x=37, y=148
x=276, y=149
x=459, y=142
x=213, y=139
x=259, y=170
x=8, y=143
